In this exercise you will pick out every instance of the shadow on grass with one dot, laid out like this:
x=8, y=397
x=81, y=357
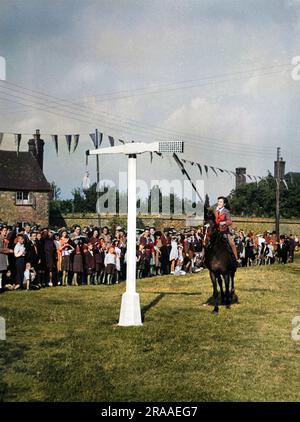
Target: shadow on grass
x=10, y=353
x=160, y=296
x=211, y=301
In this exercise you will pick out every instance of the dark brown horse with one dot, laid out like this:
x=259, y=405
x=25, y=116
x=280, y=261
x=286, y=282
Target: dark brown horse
x=220, y=261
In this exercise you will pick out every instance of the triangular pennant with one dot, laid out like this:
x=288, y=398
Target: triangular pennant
x=100, y=138
x=200, y=168
x=221, y=170
x=179, y=163
x=1, y=138
x=111, y=141
x=93, y=138
x=192, y=163
x=18, y=138
x=159, y=153
x=122, y=142
x=76, y=141
x=87, y=153
x=183, y=160
x=213, y=169
x=183, y=170
x=55, y=141
x=259, y=177
x=206, y=169
x=250, y=177
x=151, y=157
x=69, y=141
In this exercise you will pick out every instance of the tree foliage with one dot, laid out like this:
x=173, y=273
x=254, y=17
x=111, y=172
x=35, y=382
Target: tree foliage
x=259, y=199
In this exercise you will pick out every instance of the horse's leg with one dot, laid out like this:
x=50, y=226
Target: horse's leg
x=215, y=291
x=220, y=282
x=232, y=285
x=227, y=295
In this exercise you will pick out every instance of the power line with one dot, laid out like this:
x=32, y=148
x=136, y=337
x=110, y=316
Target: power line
x=152, y=131
x=117, y=94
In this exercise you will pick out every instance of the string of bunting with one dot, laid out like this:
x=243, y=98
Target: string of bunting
x=215, y=170
x=73, y=140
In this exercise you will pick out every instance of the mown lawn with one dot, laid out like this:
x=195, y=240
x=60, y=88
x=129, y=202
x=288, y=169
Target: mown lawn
x=63, y=343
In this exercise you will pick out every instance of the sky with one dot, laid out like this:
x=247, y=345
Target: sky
x=214, y=74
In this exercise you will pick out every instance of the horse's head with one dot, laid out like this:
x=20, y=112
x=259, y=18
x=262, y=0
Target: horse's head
x=210, y=218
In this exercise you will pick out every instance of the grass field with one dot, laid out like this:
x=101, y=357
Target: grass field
x=63, y=343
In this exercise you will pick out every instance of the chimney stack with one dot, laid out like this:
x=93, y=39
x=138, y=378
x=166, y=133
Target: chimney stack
x=240, y=178
x=36, y=147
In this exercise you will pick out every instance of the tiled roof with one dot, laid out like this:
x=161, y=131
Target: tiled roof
x=21, y=172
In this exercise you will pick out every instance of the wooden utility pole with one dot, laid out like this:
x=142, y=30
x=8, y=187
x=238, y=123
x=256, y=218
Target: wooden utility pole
x=277, y=177
x=279, y=171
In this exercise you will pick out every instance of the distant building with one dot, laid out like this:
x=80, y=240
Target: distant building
x=24, y=190
x=240, y=178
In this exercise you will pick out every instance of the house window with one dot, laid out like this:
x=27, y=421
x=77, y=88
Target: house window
x=24, y=198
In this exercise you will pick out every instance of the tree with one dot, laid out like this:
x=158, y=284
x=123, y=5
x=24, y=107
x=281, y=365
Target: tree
x=258, y=199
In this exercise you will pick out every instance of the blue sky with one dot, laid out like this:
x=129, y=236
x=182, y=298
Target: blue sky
x=230, y=115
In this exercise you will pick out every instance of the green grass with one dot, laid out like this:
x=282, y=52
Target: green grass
x=63, y=343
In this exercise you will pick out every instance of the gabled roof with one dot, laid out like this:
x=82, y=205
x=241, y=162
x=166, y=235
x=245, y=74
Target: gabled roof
x=21, y=172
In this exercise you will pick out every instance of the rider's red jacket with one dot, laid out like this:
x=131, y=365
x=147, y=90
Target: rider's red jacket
x=223, y=219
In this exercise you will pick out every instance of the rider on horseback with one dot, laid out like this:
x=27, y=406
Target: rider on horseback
x=223, y=222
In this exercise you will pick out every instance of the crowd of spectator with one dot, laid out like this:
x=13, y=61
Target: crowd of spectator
x=31, y=258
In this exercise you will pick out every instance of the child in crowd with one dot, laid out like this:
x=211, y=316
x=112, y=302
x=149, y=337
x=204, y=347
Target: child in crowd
x=110, y=264
x=20, y=252
x=173, y=253
x=90, y=264
x=29, y=276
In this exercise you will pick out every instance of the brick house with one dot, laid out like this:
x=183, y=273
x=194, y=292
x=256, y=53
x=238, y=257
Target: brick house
x=24, y=190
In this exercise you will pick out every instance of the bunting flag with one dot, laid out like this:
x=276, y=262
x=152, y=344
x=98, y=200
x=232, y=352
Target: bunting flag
x=69, y=141
x=111, y=141
x=76, y=141
x=151, y=157
x=213, y=169
x=179, y=163
x=1, y=137
x=221, y=170
x=18, y=138
x=250, y=177
x=183, y=170
x=86, y=158
x=122, y=142
x=285, y=184
x=100, y=138
x=200, y=168
x=206, y=169
x=93, y=138
x=159, y=154
x=55, y=141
